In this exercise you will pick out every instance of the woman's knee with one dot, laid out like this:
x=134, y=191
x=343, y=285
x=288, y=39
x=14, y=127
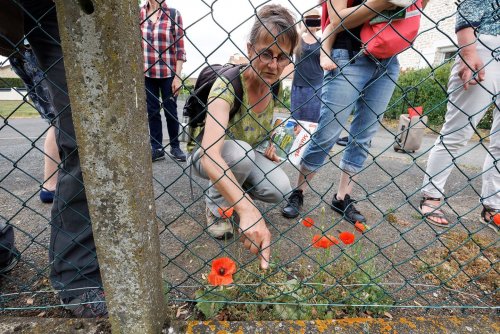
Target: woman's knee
x=453, y=141
x=276, y=189
x=238, y=155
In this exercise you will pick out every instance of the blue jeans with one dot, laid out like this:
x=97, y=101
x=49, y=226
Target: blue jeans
x=169, y=103
x=364, y=84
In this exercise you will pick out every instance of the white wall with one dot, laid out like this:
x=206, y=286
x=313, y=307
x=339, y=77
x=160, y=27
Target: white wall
x=14, y=94
x=436, y=36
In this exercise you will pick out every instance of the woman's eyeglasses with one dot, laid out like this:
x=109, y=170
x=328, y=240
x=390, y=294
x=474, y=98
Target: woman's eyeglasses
x=267, y=57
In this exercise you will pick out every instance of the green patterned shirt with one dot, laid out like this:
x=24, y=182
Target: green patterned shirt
x=246, y=125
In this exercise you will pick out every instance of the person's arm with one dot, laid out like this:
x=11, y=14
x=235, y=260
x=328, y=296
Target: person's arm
x=351, y=17
x=470, y=63
x=255, y=234
x=469, y=16
x=177, y=82
x=328, y=39
x=180, y=54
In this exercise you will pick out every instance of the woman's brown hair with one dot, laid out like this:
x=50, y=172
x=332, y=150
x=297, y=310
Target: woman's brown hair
x=277, y=21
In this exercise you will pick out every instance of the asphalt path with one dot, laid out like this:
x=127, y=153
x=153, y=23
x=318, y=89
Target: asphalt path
x=15, y=133
x=389, y=184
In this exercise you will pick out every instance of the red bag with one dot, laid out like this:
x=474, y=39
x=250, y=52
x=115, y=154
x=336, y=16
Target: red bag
x=325, y=20
x=386, y=39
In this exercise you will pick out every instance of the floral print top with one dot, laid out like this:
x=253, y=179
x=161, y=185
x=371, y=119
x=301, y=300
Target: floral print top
x=483, y=15
x=246, y=125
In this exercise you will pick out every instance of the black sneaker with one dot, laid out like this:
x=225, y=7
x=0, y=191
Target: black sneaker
x=346, y=208
x=157, y=155
x=177, y=154
x=295, y=202
x=90, y=304
x=11, y=263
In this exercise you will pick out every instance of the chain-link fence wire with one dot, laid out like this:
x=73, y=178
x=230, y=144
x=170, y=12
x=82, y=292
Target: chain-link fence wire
x=400, y=260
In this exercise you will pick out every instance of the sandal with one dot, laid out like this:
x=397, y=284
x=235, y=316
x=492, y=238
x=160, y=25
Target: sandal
x=492, y=222
x=436, y=213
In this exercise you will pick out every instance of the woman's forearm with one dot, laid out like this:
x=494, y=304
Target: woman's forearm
x=341, y=16
x=466, y=40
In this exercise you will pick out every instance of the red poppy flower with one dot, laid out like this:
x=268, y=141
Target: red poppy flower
x=496, y=219
x=360, y=227
x=222, y=271
x=324, y=241
x=225, y=213
x=346, y=237
x=308, y=222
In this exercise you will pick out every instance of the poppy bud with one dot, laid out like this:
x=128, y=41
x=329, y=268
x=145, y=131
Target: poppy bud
x=308, y=222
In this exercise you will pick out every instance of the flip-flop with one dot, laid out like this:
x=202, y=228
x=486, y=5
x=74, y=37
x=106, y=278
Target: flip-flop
x=490, y=222
x=433, y=214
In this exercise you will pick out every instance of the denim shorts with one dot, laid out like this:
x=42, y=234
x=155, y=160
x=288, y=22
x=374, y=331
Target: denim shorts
x=363, y=84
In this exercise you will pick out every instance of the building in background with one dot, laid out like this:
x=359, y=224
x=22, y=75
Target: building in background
x=8, y=93
x=6, y=70
x=436, y=41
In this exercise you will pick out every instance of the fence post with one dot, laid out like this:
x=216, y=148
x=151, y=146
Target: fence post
x=103, y=61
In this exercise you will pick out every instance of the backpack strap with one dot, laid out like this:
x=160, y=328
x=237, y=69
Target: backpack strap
x=276, y=90
x=232, y=74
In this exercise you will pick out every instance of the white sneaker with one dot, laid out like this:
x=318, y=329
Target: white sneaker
x=218, y=228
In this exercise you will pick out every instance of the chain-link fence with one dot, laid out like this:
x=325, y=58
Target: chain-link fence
x=324, y=264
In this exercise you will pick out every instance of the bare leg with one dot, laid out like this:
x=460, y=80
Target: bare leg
x=304, y=177
x=345, y=186
x=328, y=38
x=51, y=160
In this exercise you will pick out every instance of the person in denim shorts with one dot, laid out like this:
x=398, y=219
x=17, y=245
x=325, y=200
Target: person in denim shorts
x=24, y=64
x=359, y=82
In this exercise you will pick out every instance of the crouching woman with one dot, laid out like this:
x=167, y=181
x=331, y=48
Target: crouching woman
x=227, y=157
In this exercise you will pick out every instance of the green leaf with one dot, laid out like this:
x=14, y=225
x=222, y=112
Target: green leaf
x=207, y=307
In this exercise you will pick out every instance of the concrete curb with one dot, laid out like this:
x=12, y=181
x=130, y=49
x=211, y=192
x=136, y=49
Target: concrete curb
x=469, y=324
x=428, y=325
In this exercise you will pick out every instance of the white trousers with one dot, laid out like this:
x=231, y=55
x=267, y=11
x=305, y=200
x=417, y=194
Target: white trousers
x=464, y=111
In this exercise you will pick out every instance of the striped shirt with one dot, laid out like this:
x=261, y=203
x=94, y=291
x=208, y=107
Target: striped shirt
x=162, y=41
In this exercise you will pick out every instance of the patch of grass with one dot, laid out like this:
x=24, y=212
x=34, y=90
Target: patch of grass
x=17, y=109
x=281, y=293
x=391, y=218
x=463, y=259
